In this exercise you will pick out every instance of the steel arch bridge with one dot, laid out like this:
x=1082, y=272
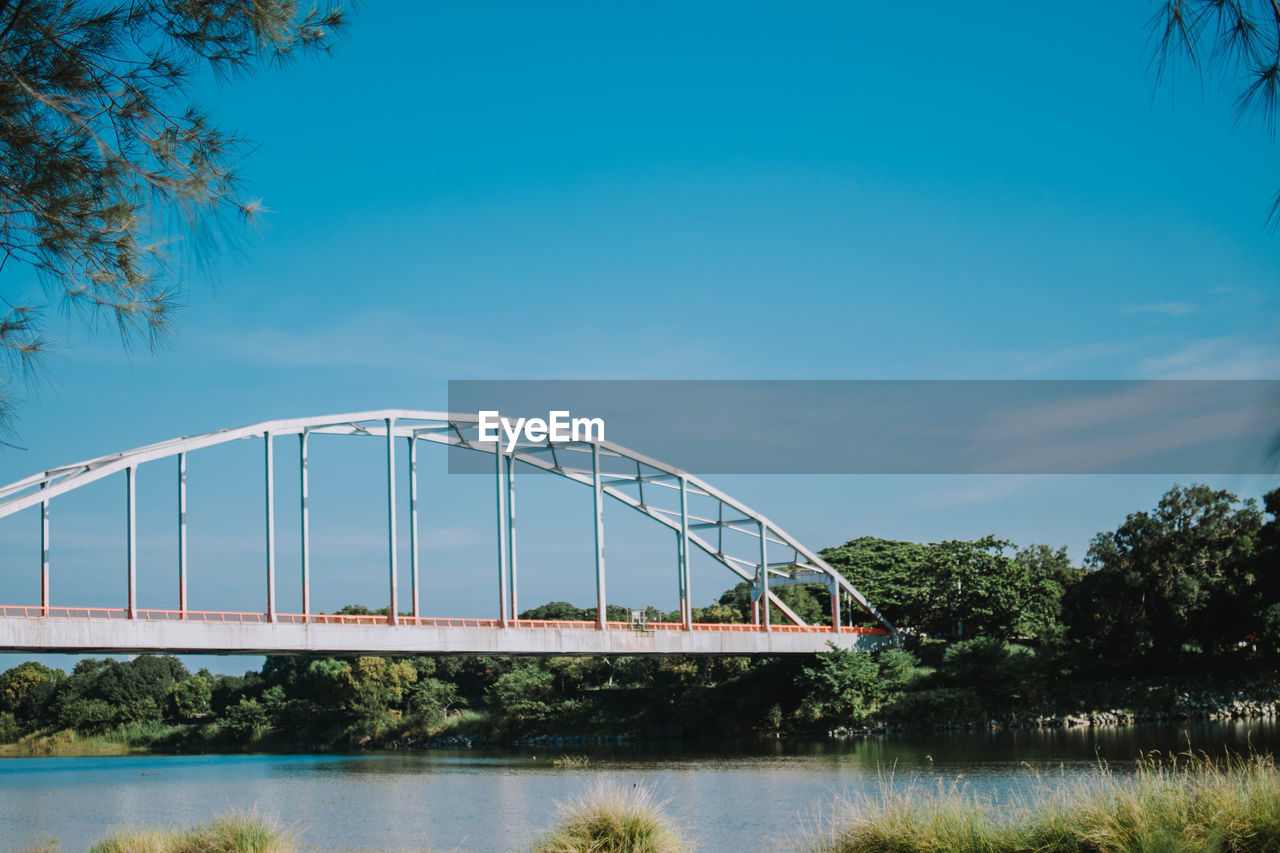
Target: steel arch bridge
x=699, y=515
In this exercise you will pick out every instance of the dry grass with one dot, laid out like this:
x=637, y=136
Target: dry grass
x=235, y=833
x=571, y=761
x=1186, y=803
x=611, y=819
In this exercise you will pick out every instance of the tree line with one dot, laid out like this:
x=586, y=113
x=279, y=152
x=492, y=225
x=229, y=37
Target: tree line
x=1187, y=592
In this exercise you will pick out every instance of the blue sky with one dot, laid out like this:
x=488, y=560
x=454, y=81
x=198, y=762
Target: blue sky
x=675, y=190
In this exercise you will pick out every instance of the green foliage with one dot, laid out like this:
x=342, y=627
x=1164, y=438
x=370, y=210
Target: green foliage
x=248, y=721
x=26, y=691
x=1002, y=677
x=845, y=687
x=885, y=571
x=521, y=699
x=102, y=693
x=955, y=588
x=10, y=728
x=556, y=610
x=1183, y=575
x=842, y=686
x=375, y=684
x=191, y=697
x=104, y=155
x=717, y=614
x=430, y=699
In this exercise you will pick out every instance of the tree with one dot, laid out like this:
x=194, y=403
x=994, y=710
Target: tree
x=557, y=610
x=522, y=699
x=1267, y=572
x=1051, y=574
x=102, y=160
x=841, y=685
x=26, y=690
x=887, y=572
x=1183, y=574
x=1236, y=39
x=191, y=697
x=375, y=684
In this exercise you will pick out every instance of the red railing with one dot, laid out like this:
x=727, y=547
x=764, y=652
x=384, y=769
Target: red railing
x=233, y=617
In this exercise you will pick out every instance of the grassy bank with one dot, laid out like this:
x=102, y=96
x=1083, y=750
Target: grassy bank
x=137, y=737
x=1170, y=804
x=234, y=833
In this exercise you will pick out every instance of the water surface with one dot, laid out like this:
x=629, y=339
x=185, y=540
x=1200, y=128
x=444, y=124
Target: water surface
x=743, y=797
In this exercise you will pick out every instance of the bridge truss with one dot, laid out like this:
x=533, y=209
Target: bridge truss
x=699, y=515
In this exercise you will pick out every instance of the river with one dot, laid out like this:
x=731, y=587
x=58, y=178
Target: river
x=747, y=797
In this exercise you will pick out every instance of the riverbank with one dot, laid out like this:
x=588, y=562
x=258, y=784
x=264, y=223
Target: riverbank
x=469, y=729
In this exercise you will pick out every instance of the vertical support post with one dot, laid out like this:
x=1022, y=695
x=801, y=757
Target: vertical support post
x=501, y=491
x=269, y=461
x=680, y=574
x=131, y=536
x=182, y=535
x=304, y=515
x=511, y=532
x=413, y=523
x=44, y=555
x=686, y=601
x=391, y=518
x=835, y=606
x=764, y=575
x=598, y=496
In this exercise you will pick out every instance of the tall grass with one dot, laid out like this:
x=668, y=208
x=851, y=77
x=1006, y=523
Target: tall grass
x=235, y=833
x=132, y=737
x=611, y=819
x=1186, y=803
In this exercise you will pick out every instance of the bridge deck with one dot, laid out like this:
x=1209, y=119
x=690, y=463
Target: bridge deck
x=106, y=630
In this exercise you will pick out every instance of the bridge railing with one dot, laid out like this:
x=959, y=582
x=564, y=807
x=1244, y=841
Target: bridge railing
x=235, y=617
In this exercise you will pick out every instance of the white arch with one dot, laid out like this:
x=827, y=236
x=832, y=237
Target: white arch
x=460, y=430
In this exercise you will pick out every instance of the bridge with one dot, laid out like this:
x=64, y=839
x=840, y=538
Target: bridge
x=746, y=544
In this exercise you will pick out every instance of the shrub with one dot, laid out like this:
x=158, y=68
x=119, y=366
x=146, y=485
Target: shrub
x=610, y=819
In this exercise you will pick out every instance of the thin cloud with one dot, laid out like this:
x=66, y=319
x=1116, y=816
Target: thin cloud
x=1172, y=309
x=1215, y=358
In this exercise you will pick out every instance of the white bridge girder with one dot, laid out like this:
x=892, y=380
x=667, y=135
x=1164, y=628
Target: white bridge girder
x=124, y=636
